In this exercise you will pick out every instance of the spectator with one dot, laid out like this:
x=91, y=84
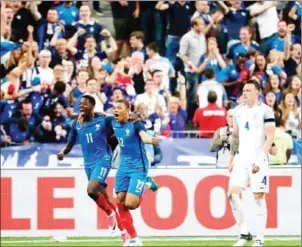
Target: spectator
x=26, y=111
x=59, y=123
x=68, y=13
x=92, y=90
x=136, y=72
x=222, y=141
x=45, y=132
x=96, y=6
x=117, y=94
x=291, y=115
x=283, y=142
x=91, y=48
x=245, y=45
x=47, y=27
x=157, y=76
x=210, y=84
x=273, y=85
x=156, y=62
x=152, y=122
x=262, y=70
x=237, y=17
x=294, y=17
x=284, y=31
x=294, y=87
x=45, y=73
x=210, y=118
x=177, y=109
x=212, y=58
x=151, y=98
x=82, y=77
x=179, y=24
x=125, y=14
x=51, y=97
x=267, y=23
x=19, y=131
x=87, y=26
x=292, y=55
x=152, y=24
x=192, y=47
x=137, y=43
x=22, y=17
x=233, y=76
x=271, y=101
x=59, y=49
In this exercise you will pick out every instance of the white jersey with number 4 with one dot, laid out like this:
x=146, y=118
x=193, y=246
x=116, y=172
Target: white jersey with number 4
x=251, y=122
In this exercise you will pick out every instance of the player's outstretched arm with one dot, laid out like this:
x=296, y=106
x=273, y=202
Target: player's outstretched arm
x=65, y=150
x=72, y=137
x=148, y=139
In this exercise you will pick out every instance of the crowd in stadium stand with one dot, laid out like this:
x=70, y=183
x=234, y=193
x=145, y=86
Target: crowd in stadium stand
x=179, y=63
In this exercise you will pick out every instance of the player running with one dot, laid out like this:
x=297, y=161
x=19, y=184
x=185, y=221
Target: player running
x=253, y=134
x=92, y=135
x=132, y=173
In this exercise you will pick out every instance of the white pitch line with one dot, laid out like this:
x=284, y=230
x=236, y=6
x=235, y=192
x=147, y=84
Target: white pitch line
x=170, y=239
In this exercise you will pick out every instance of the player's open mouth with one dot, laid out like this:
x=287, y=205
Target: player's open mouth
x=116, y=116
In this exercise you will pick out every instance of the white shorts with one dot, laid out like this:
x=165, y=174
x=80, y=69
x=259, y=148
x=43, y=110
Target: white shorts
x=242, y=176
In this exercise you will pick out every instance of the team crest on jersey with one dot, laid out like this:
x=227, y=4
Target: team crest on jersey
x=127, y=132
x=97, y=127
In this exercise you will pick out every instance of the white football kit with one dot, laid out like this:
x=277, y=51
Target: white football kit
x=251, y=123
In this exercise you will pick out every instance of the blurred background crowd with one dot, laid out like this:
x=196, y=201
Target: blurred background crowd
x=181, y=64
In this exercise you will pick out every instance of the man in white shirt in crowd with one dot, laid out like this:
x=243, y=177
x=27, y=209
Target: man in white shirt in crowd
x=157, y=62
x=100, y=98
x=151, y=98
x=45, y=72
x=210, y=84
x=267, y=23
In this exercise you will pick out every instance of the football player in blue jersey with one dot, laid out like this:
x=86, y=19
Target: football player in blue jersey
x=91, y=131
x=132, y=173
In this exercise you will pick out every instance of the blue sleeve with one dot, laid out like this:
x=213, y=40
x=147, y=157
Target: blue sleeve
x=64, y=102
x=223, y=75
x=139, y=127
x=72, y=135
x=201, y=60
x=277, y=69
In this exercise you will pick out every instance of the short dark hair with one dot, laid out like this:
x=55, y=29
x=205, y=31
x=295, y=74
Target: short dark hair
x=60, y=87
x=90, y=79
x=138, y=35
x=24, y=102
x=152, y=46
x=209, y=73
x=89, y=36
x=212, y=97
x=155, y=71
x=255, y=83
x=118, y=89
x=125, y=102
x=89, y=99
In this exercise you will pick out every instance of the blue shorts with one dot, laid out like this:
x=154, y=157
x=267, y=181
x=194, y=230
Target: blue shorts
x=130, y=181
x=99, y=172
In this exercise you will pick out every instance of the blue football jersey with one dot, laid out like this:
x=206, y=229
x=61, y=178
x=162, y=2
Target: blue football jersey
x=133, y=152
x=92, y=136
